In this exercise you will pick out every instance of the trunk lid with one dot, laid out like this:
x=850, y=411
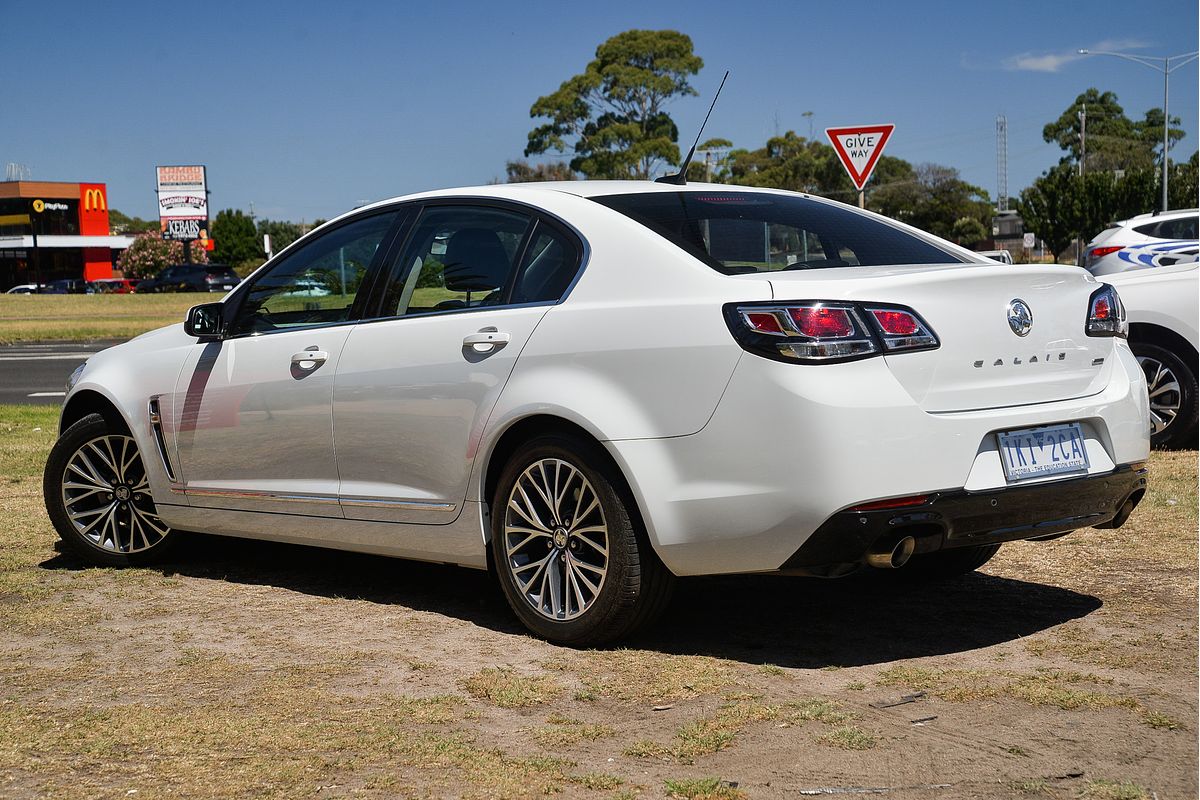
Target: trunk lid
x=981, y=363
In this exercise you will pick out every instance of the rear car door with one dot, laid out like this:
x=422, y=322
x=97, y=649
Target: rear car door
x=415, y=386
x=255, y=431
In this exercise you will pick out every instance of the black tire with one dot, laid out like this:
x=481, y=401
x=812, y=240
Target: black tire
x=115, y=528
x=635, y=586
x=1163, y=368
x=946, y=564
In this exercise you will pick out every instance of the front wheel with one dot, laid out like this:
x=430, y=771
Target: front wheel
x=570, y=557
x=98, y=497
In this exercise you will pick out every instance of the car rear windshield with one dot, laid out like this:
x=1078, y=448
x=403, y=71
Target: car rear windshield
x=746, y=232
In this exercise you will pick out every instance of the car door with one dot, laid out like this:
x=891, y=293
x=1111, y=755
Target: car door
x=415, y=386
x=255, y=431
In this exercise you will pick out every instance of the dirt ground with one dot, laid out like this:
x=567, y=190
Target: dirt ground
x=245, y=669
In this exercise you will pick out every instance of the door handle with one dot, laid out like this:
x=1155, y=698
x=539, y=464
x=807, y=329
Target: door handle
x=314, y=356
x=486, y=340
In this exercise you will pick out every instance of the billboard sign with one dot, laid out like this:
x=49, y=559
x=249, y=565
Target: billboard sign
x=182, y=202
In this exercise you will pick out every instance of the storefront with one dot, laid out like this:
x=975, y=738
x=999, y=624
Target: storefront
x=50, y=230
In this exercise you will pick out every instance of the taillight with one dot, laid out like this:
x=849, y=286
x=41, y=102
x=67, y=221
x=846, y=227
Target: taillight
x=1106, y=314
x=1096, y=253
x=827, y=331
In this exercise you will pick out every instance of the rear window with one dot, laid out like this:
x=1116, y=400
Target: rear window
x=219, y=269
x=746, y=232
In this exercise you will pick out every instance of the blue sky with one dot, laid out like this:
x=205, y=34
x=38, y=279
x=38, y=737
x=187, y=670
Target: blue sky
x=307, y=109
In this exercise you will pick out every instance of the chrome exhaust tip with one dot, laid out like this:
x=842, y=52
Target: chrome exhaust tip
x=891, y=557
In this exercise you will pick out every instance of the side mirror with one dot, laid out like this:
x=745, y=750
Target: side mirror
x=206, y=322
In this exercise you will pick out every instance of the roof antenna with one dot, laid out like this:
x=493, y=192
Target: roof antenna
x=680, y=178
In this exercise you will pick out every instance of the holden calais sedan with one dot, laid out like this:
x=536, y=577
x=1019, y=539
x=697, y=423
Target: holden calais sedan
x=591, y=388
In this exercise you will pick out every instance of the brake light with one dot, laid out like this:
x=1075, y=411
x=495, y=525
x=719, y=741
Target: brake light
x=1097, y=253
x=1106, y=314
x=821, y=322
x=823, y=332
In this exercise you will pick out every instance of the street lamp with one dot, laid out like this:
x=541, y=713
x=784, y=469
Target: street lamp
x=1166, y=69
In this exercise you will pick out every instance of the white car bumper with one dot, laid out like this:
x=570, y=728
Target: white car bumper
x=791, y=446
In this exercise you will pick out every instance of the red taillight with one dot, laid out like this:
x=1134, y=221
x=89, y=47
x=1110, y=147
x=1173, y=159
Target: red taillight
x=764, y=322
x=827, y=331
x=895, y=502
x=821, y=323
x=896, y=323
x=1099, y=252
x=1106, y=314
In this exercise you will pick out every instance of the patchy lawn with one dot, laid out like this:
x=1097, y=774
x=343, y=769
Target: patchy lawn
x=1065, y=669
x=80, y=317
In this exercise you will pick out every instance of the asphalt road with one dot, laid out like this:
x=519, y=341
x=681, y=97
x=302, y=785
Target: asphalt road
x=37, y=372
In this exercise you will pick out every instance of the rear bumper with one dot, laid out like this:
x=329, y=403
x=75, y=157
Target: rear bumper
x=964, y=519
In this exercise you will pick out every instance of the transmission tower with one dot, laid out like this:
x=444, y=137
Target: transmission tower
x=1002, y=163
x=17, y=172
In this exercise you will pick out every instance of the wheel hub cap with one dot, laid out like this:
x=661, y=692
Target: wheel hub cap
x=1166, y=397
x=107, y=497
x=556, y=539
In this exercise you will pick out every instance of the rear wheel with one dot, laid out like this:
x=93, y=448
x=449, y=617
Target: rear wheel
x=569, y=554
x=946, y=564
x=1171, y=382
x=98, y=497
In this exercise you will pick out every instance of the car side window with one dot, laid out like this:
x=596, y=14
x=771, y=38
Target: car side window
x=317, y=283
x=549, y=266
x=458, y=257
x=1182, y=228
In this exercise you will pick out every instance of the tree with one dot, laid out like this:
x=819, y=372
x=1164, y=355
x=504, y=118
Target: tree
x=936, y=199
x=969, y=231
x=1113, y=140
x=611, y=116
x=1183, y=184
x=149, y=253
x=119, y=223
x=235, y=239
x=520, y=171
x=282, y=233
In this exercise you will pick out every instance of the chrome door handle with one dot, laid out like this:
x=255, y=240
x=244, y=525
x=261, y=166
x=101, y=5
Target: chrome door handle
x=315, y=356
x=486, y=341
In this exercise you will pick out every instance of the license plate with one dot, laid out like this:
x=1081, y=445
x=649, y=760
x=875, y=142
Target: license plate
x=1038, y=452
x=227, y=286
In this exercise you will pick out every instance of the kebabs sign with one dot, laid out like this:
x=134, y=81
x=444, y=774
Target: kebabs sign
x=182, y=202
x=859, y=148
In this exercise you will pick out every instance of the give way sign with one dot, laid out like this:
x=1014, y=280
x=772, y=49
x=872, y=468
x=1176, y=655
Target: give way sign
x=859, y=147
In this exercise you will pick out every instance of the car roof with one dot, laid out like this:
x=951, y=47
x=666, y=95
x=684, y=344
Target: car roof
x=1175, y=212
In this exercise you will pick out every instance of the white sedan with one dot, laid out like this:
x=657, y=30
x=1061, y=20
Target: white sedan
x=594, y=387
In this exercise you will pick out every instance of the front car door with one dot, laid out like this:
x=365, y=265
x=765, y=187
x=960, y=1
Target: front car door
x=415, y=386
x=254, y=429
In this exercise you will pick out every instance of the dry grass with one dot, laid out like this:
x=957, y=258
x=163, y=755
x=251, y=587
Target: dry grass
x=509, y=689
x=1113, y=790
x=703, y=789
x=91, y=316
x=645, y=676
x=849, y=737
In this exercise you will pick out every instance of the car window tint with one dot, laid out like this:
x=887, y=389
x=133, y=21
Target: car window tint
x=745, y=232
x=1149, y=229
x=549, y=267
x=1182, y=228
x=458, y=257
x=317, y=283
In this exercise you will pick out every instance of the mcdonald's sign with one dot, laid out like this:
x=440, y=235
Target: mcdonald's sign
x=93, y=209
x=94, y=200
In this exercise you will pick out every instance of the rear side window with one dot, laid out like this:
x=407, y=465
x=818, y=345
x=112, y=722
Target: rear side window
x=747, y=232
x=550, y=264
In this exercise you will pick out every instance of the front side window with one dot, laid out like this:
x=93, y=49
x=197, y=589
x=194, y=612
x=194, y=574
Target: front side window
x=317, y=283
x=458, y=257
x=746, y=232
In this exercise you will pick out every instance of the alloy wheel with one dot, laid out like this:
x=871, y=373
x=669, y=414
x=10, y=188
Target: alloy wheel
x=1166, y=397
x=556, y=539
x=106, y=495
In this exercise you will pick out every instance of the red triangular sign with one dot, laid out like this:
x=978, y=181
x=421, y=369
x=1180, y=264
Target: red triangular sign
x=859, y=147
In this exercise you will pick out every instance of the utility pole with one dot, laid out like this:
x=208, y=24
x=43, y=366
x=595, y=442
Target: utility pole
x=809, y=116
x=1166, y=69
x=1002, y=163
x=1082, y=138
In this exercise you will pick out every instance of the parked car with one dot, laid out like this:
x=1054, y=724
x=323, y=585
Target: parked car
x=1156, y=228
x=113, y=285
x=1163, y=312
x=595, y=387
x=1146, y=256
x=191, y=278
x=67, y=286
x=23, y=288
x=1003, y=256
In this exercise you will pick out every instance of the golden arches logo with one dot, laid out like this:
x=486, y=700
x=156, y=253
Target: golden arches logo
x=93, y=199
x=39, y=206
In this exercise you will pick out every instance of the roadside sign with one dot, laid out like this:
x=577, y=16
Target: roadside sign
x=1029, y=240
x=182, y=202
x=859, y=148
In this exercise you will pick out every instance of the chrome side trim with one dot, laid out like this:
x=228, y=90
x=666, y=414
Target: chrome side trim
x=152, y=411
x=416, y=505
x=248, y=494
